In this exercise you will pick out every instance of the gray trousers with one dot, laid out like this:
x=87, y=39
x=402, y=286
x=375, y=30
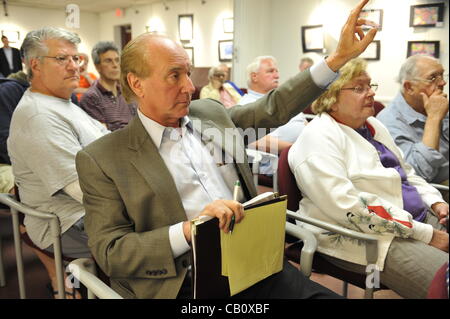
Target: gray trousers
x=410, y=265
x=74, y=241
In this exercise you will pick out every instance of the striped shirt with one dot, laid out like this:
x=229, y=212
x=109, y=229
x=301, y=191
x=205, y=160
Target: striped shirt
x=103, y=106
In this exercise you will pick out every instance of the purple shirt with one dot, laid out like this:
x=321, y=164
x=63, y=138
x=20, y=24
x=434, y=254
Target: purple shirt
x=103, y=106
x=412, y=201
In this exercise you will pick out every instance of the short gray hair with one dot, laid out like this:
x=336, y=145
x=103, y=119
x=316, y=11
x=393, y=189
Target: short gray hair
x=410, y=70
x=256, y=65
x=33, y=45
x=102, y=47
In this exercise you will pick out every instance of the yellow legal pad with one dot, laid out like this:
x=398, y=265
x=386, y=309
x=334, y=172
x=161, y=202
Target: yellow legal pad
x=254, y=250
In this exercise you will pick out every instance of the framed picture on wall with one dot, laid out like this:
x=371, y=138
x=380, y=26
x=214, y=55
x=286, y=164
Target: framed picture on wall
x=375, y=15
x=190, y=52
x=13, y=36
x=225, y=50
x=372, y=53
x=312, y=38
x=427, y=15
x=228, y=26
x=186, y=27
x=430, y=48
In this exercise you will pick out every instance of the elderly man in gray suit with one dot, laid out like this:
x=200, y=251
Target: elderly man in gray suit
x=142, y=184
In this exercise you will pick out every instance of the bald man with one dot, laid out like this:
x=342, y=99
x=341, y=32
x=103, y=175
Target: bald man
x=144, y=183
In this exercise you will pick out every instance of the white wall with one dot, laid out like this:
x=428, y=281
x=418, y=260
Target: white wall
x=283, y=36
x=208, y=28
x=24, y=19
x=262, y=27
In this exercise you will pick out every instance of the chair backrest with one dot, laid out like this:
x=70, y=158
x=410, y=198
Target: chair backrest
x=286, y=181
x=378, y=106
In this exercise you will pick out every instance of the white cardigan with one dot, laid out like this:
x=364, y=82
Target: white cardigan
x=343, y=182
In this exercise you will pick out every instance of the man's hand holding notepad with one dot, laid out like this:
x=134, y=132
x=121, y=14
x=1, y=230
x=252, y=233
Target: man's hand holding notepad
x=255, y=249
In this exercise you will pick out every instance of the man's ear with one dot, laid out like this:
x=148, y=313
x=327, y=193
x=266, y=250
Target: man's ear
x=135, y=84
x=35, y=65
x=407, y=87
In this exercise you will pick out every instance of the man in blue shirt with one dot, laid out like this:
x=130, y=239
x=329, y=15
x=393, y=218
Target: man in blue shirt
x=418, y=117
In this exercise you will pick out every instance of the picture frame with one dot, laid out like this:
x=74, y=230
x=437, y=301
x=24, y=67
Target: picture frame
x=375, y=15
x=372, y=53
x=430, y=48
x=228, y=25
x=13, y=36
x=427, y=15
x=186, y=27
x=225, y=50
x=312, y=38
x=190, y=52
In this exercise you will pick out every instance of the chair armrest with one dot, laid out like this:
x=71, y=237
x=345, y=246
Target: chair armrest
x=309, y=246
x=440, y=187
x=8, y=200
x=82, y=269
x=371, y=240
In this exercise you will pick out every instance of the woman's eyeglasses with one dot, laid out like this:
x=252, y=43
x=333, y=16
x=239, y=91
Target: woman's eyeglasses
x=359, y=89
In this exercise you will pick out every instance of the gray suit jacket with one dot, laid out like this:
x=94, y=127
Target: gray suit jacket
x=131, y=199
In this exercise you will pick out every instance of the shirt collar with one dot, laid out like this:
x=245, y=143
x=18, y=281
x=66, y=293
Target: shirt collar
x=102, y=89
x=156, y=130
x=254, y=93
x=366, y=130
x=409, y=114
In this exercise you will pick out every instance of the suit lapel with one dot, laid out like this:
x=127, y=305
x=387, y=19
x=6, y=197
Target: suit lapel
x=146, y=159
x=231, y=144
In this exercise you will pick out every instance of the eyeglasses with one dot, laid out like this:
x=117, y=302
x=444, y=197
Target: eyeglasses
x=64, y=59
x=363, y=89
x=219, y=75
x=434, y=78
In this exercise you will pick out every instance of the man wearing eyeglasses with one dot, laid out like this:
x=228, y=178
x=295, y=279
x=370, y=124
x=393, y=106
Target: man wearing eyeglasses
x=47, y=130
x=418, y=117
x=104, y=100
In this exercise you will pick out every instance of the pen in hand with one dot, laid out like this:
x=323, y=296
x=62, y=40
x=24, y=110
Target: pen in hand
x=237, y=187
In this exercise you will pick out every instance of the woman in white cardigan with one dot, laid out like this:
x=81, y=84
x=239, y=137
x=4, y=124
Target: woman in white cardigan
x=352, y=174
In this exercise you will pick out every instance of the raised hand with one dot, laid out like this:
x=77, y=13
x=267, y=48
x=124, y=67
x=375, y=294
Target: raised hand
x=352, y=41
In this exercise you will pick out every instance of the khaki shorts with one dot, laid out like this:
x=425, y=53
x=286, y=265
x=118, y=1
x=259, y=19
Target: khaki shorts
x=6, y=178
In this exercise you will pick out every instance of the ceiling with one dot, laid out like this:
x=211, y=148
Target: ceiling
x=85, y=5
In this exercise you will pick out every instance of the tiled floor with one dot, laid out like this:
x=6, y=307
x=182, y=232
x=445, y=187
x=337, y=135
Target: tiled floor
x=36, y=277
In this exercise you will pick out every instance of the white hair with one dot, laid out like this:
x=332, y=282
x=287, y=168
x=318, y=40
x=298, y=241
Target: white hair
x=409, y=69
x=256, y=65
x=33, y=45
